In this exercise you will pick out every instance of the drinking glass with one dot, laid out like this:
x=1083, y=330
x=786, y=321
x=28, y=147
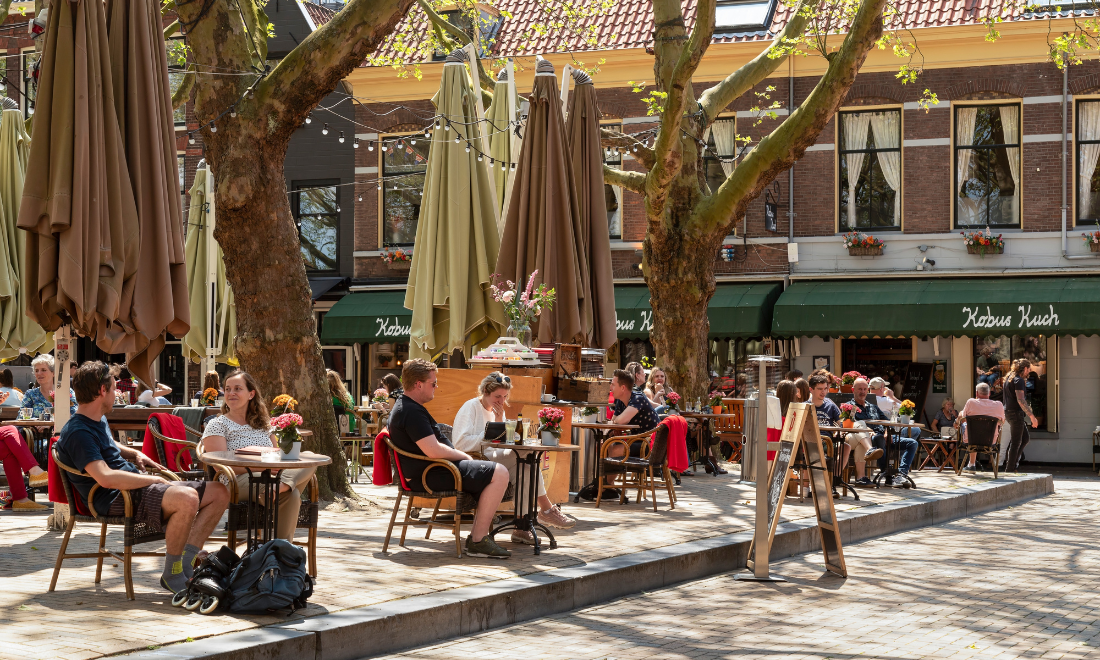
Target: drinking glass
x=510, y=428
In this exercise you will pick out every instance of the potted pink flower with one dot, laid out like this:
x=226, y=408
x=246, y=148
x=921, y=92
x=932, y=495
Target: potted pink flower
x=672, y=400
x=550, y=420
x=286, y=429
x=848, y=411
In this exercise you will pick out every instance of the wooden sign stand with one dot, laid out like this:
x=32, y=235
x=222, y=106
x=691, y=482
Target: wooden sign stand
x=800, y=428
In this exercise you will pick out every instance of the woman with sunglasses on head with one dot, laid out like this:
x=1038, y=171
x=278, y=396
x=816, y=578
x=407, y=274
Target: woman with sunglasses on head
x=469, y=434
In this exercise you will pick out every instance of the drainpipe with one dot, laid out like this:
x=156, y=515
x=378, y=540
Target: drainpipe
x=1065, y=202
x=790, y=172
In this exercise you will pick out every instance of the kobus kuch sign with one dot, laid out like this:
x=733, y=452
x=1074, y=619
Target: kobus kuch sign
x=391, y=327
x=975, y=317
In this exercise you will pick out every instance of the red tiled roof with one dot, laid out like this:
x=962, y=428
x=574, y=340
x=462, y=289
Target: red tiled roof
x=318, y=14
x=629, y=24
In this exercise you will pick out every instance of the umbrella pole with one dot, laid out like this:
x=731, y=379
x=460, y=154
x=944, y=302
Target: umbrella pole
x=211, y=275
x=60, y=518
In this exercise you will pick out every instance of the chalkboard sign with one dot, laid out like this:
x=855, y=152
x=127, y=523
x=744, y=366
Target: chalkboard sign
x=918, y=378
x=777, y=487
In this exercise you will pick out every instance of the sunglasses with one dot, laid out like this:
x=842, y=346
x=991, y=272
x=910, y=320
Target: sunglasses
x=501, y=379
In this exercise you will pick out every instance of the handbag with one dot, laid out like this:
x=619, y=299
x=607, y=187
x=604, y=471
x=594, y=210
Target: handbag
x=495, y=431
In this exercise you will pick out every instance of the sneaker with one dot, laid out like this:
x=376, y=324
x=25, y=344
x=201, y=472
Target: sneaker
x=863, y=482
x=523, y=536
x=900, y=482
x=38, y=480
x=970, y=468
x=874, y=454
x=553, y=517
x=486, y=547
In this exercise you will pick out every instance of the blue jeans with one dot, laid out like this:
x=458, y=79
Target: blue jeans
x=908, y=447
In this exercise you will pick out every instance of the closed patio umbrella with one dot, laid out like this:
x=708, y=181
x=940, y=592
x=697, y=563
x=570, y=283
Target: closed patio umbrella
x=456, y=236
x=213, y=314
x=583, y=133
x=544, y=218
x=18, y=332
x=500, y=114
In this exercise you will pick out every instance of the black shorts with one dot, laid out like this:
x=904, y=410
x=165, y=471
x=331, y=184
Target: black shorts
x=476, y=476
x=147, y=503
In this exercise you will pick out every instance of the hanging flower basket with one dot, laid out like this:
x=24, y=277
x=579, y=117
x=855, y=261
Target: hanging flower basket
x=399, y=259
x=399, y=265
x=1092, y=239
x=982, y=243
x=984, y=250
x=862, y=245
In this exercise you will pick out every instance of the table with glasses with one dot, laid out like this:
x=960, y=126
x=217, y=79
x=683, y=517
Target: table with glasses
x=836, y=434
x=263, y=488
x=526, y=518
x=601, y=431
x=895, y=449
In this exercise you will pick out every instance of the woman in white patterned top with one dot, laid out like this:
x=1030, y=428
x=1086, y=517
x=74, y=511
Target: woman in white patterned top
x=244, y=422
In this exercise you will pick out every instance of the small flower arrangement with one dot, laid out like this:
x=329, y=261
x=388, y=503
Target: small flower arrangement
x=209, y=396
x=715, y=398
x=283, y=403
x=834, y=380
x=849, y=377
x=907, y=408
x=849, y=410
x=286, y=428
x=857, y=239
x=983, y=242
x=1092, y=238
x=522, y=307
x=397, y=256
x=589, y=410
x=380, y=396
x=550, y=420
x=673, y=400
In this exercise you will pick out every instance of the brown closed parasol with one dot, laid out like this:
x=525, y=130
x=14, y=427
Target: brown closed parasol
x=544, y=219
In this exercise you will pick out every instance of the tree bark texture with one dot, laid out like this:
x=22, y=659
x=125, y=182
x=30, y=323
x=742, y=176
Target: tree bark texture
x=276, y=334
x=686, y=222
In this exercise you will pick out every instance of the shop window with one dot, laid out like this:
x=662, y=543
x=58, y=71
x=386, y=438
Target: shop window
x=721, y=153
x=870, y=170
x=987, y=166
x=384, y=358
x=317, y=213
x=30, y=86
x=1088, y=153
x=993, y=358
x=404, y=164
x=613, y=195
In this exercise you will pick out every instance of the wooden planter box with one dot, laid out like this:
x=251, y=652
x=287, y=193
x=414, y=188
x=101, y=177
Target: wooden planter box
x=399, y=265
x=594, y=392
x=1094, y=247
x=973, y=249
x=863, y=251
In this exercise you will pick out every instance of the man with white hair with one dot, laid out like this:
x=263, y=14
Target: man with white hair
x=889, y=404
x=981, y=404
x=870, y=411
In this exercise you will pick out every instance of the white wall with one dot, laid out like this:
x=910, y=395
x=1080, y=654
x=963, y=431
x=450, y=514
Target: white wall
x=810, y=347
x=1078, y=412
x=926, y=353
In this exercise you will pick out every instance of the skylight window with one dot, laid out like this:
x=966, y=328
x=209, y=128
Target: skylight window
x=751, y=14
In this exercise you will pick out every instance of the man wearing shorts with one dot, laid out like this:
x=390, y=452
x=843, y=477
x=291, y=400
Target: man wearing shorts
x=413, y=430
x=187, y=511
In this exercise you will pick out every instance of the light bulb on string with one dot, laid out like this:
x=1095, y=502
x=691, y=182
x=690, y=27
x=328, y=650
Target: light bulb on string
x=213, y=128
x=412, y=141
x=233, y=112
x=355, y=143
x=379, y=185
x=190, y=139
x=467, y=147
x=427, y=134
x=341, y=137
x=513, y=167
x=370, y=146
x=324, y=131
x=309, y=118
x=337, y=208
x=479, y=158
x=502, y=166
x=383, y=146
x=456, y=139
x=360, y=197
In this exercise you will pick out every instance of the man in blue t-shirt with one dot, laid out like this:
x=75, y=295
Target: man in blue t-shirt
x=187, y=511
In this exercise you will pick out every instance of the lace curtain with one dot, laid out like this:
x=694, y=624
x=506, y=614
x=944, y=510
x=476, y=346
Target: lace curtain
x=965, y=118
x=887, y=131
x=1010, y=123
x=725, y=141
x=855, y=137
x=1088, y=128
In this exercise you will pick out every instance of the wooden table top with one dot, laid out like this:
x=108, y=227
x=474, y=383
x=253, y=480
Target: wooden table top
x=604, y=425
x=896, y=425
x=541, y=447
x=27, y=422
x=232, y=459
x=707, y=415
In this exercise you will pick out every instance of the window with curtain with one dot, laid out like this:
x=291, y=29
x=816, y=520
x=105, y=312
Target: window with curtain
x=317, y=211
x=404, y=165
x=718, y=161
x=987, y=166
x=1088, y=153
x=613, y=195
x=870, y=169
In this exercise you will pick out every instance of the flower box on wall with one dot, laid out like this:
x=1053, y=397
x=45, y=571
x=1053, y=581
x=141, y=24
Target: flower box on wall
x=399, y=265
x=862, y=245
x=984, y=250
x=984, y=242
x=864, y=251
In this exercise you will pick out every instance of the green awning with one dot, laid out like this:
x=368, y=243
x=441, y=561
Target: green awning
x=367, y=317
x=944, y=307
x=735, y=311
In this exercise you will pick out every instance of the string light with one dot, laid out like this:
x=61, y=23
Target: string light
x=341, y=137
x=383, y=145
x=309, y=118
x=370, y=146
x=355, y=143
x=190, y=139
x=360, y=197
x=479, y=157
x=233, y=112
x=456, y=139
x=467, y=147
x=324, y=131
x=213, y=128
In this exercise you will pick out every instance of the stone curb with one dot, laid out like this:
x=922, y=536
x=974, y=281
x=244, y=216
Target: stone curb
x=409, y=622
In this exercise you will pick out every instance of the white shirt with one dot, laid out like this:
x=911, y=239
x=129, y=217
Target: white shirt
x=469, y=427
x=237, y=436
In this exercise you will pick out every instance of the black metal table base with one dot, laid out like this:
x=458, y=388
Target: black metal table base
x=889, y=474
x=262, y=518
x=592, y=486
x=838, y=468
x=527, y=521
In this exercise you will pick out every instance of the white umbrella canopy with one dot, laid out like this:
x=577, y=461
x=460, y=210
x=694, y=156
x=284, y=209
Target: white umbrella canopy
x=217, y=335
x=18, y=332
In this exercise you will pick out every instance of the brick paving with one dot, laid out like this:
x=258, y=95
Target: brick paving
x=80, y=620
x=1015, y=583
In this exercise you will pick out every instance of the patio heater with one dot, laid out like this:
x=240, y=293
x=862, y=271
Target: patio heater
x=762, y=544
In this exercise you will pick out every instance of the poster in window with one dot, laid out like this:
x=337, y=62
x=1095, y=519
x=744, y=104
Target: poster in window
x=821, y=362
x=939, y=376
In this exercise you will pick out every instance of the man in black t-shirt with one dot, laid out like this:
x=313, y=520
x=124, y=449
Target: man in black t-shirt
x=187, y=511
x=413, y=430
x=1017, y=413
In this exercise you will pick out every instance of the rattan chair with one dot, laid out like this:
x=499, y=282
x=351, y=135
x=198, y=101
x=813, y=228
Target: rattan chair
x=981, y=438
x=634, y=471
x=426, y=493
x=730, y=430
x=190, y=448
x=134, y=532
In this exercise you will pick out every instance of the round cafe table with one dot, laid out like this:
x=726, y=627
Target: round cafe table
x=526, y=518
x=263, y=502
x=895, y=449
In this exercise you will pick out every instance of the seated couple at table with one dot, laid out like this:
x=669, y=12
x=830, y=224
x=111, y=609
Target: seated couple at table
x=187, y=511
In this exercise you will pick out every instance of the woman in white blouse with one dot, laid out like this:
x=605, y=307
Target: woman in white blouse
x=469, y=435
x=245, y=422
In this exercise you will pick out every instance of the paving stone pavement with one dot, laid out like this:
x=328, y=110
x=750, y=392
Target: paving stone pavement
x=81, y=620
x=1015, y=583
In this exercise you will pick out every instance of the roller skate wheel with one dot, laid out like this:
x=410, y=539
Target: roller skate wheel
x=179, y=598
x=209, y=604
x=193, y=602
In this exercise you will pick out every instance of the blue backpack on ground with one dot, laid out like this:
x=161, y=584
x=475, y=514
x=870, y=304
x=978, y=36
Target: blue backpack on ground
x=272, y=577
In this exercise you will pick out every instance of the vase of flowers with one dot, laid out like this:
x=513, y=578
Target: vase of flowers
x=982, y=243
x=862, y=245
x=550, y=420
x=716, y=402
x=378, y=400
x=847, y=379
x=672, y=400
x=283, y=403
x=209, y=396
x=906, y=411
x=286, y=429
x=522, y=307
x=589, y=413
x=848, y=412
x=1092, y=239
